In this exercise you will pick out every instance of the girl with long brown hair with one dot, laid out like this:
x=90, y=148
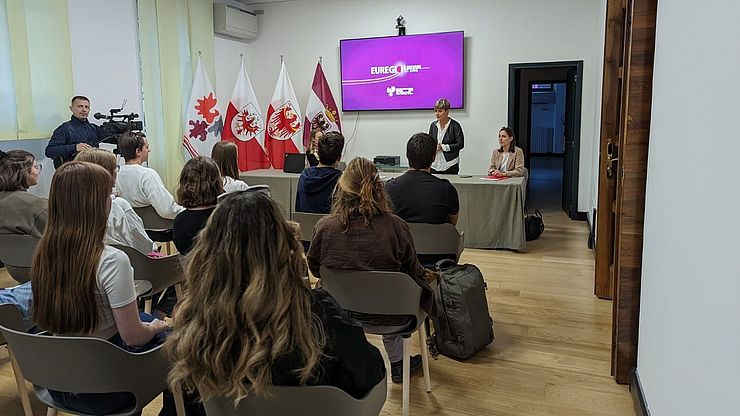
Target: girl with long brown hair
x=362, y=233
x=81, y=286
x=248, y=318
x=225, y=155
x=508, y=159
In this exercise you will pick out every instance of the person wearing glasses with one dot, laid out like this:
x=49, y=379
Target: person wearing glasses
x=75, y=135
x=450, y=139
x=22, y=212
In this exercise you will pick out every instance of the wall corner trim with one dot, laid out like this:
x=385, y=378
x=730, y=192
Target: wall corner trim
x=638, y=395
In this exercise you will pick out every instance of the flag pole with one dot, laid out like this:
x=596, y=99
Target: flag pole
x=321, y=60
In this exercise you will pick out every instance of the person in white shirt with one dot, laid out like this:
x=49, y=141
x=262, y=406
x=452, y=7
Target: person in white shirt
x=225, y=155
x=450, y=139
x=124, y=225
x=139, y=185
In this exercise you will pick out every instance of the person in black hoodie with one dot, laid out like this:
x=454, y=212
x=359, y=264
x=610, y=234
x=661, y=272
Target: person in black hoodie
x=316, y=184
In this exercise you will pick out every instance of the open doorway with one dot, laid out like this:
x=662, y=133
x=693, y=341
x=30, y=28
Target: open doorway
x=546, y=144
x=545, y=113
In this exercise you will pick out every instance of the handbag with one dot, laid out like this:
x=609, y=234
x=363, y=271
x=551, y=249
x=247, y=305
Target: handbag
x=533, y=225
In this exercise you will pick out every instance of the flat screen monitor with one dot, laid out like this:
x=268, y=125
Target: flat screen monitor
x=402, y=72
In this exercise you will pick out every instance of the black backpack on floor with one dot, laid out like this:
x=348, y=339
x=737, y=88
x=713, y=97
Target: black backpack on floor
x=533, y=226
x=462, y=323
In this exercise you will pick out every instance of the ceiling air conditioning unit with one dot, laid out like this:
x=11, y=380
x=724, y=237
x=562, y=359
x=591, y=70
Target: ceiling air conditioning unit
x=235, y=23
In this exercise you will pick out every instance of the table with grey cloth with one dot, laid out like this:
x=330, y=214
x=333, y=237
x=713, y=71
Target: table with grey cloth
x=491, y=212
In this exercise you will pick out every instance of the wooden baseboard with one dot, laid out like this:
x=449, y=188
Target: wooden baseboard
x=638, y=396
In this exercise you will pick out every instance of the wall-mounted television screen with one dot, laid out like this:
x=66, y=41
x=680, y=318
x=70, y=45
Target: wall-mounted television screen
x=402, y=72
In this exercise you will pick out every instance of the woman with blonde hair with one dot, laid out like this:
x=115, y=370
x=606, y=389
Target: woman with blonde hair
x=23, y=212
x=225, y=154
x=248, y=318
x=362, y=233
x=125, y=227
x=80, y=285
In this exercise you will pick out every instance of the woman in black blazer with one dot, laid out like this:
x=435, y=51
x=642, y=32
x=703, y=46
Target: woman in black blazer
x=449, y=136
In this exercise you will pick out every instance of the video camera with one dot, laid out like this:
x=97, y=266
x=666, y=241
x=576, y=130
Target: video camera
x=117, y=124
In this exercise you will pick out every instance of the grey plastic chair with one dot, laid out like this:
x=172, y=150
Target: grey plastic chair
x=87, y=365
x=306, y=400
x=157, y=228
x=307, y=221
x=383, y=293
x=439, y=239
x=16, y=251
x=161, y=272
x=10, y=316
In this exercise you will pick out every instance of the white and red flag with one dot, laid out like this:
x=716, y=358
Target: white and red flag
x=203, y=123
x=245, y=126
x=321, y=111
x=283, y=121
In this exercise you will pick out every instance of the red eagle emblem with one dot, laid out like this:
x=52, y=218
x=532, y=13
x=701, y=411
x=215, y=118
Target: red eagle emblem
x=283, y=123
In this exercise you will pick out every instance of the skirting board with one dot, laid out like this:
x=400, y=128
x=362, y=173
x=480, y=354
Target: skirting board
x=638, y=396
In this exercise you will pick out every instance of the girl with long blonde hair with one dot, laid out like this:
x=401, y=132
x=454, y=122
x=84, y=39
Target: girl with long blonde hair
x=362, y=233
x=248, y=318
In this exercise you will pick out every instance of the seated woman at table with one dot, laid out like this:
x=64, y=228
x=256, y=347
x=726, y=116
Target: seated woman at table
x=22, y=212
x=507, y=160
x=249, y=319
x=81, y=286
x=225, y=155
x=362, y=233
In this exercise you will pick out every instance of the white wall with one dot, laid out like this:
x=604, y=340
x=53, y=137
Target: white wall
x=498, y=33
x=227, y=53
x=689, y=341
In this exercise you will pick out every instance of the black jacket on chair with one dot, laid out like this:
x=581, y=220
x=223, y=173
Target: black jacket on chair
x=453, y=137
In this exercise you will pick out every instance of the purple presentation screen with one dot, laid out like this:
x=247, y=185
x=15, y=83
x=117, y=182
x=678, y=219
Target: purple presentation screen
x=402, y=72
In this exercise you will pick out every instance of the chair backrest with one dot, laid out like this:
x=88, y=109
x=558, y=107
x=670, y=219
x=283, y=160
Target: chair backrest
x=161, y=272
x=307, y=221
x=10, y=317
x=373, y=292
x=88, y=365
x=307, y=400
x=16, y=251
x=441, y=239
x=152, y=220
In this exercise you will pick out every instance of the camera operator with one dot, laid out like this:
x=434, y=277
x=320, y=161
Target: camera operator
x=75, y=135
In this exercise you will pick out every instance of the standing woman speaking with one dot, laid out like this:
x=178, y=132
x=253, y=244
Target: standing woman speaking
x=449, y=137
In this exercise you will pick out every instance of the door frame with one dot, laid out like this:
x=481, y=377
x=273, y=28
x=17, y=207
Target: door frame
x=550, y=74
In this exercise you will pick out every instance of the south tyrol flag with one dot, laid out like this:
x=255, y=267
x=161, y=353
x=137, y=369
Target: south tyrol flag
x=283, y=122
x=321, y=111
x=203, y=123
x=245, y=126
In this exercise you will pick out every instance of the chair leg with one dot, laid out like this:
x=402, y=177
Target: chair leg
x=51, y=411
x=21, y=383
x=425, y=357
x=148, y=305
x=406, y=373
x=178, y=291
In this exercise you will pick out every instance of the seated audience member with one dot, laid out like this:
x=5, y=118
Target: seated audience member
x=81, y=286
x=362, y=233
x=247, y=296
x=225, y=155
x=316, y=184
x=419, y=196
x=200, y=185
x=312, y=156
x=22, y=212
x=124, y=225
x=508, y=159
x=22, y=297
x=139, y=185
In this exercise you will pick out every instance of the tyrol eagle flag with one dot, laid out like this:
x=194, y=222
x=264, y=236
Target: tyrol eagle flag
x=245, y=126
x=283, y=122
x=321, y=111
x=203, y=123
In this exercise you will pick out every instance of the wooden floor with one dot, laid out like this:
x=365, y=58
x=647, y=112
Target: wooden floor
x=550, y=356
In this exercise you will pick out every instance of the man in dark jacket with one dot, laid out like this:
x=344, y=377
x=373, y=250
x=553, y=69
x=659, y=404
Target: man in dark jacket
x=75, y=135
x=316, y=184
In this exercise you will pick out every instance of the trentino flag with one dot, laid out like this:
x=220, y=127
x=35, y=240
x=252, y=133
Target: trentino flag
x=244, y=124
x=203, y=123
x=283, y=121
x=321, y=111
